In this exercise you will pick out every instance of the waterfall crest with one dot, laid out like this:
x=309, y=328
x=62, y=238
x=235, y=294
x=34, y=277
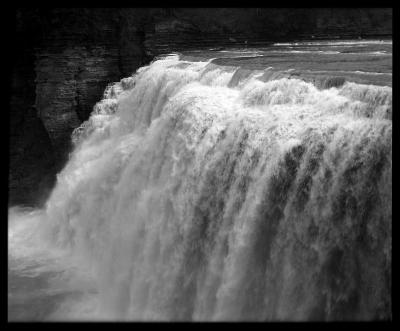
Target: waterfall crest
x=195, y=192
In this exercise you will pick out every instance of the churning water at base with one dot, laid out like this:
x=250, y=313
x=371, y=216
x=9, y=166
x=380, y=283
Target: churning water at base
x=197, y=193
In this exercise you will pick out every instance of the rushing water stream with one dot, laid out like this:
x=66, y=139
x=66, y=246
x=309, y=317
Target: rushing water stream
x=204, y=191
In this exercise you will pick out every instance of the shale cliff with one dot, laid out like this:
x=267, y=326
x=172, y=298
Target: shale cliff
x=64, y=59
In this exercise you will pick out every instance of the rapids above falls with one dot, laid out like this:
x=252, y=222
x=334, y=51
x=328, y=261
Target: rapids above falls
x=201, y=191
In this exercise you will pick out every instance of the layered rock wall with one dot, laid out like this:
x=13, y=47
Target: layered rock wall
x=68, y=83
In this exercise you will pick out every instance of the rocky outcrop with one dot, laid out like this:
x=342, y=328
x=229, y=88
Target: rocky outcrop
x=31, y=155
x=64, y=61
x=68, y=83
x=74, y=64
x=65, y=57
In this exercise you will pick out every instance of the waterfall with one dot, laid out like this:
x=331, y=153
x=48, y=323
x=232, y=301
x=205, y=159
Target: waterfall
x=197, y=193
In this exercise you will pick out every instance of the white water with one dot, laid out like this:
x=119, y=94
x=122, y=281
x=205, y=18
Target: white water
x=186, y=199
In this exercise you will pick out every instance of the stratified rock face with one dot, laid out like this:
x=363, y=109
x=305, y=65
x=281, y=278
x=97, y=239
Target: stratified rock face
x=32, y=161
x=67, y=56
x=64, y=61
x=68, y=83
x=82, y=52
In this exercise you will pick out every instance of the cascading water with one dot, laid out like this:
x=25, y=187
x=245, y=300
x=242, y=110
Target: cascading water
x=193, y=193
